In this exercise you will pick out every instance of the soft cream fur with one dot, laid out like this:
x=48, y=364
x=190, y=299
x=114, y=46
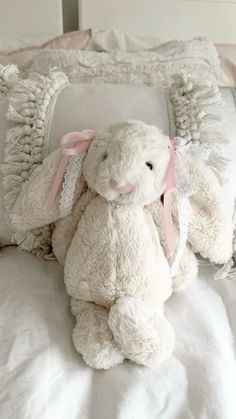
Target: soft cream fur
x=211, y=229
x=113, y=245
x=115, y=259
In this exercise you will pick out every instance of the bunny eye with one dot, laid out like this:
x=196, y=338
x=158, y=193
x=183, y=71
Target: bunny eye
x=149, y=165
x=104, y=157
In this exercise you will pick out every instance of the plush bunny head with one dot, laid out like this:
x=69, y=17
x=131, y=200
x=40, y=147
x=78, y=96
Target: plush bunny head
x=128, y=163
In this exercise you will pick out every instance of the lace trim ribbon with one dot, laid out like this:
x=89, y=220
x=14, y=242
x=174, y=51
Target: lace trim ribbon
x=73, y=173
x=185, y=187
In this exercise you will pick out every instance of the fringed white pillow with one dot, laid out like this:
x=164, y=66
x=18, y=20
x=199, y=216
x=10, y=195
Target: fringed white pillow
x=8, y=76
x=24, y=142
x=43, y=108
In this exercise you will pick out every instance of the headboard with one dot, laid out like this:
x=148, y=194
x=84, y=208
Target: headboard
x=165, y=19
x=25, y=18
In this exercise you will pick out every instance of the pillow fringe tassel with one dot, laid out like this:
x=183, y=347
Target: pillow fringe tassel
x=26, y=144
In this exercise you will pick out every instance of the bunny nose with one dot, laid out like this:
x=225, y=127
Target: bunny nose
x=120, y=189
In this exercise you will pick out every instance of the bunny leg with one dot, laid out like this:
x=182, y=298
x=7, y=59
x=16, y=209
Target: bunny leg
x=92, y=336
x=142, y=332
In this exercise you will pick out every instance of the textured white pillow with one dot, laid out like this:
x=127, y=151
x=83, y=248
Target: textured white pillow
x=92, y=106
x=59, y=108
x=157, y=66
x=8, y=76
x=5, y=231
x=43, y=108
x=23, y=115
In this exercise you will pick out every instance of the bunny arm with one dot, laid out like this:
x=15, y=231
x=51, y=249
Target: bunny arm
x=188, y=267
x=210, y=229
x=30, y=209
x=66, y=227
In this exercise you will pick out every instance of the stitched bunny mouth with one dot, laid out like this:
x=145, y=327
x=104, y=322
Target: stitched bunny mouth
x=120, y=189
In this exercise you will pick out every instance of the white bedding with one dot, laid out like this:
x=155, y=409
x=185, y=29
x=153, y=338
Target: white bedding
x=43, y=377
x=12, y=44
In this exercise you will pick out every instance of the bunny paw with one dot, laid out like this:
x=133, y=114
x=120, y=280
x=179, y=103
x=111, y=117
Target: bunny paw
x=142, y=333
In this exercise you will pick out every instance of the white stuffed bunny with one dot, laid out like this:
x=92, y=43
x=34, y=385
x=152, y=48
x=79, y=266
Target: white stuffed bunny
x=116, y=271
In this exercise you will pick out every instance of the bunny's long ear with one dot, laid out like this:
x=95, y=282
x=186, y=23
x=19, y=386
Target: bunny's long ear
x=73, y=148
x=210, y=230
x=39, y=202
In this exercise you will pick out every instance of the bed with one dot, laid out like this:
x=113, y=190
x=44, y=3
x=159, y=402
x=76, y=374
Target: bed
x=42, y=376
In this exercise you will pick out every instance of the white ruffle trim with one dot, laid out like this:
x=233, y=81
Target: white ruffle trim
x=195, y=123
x=26, y=144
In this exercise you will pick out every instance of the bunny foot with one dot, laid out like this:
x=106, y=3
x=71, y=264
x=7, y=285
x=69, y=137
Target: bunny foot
x=142, y=333
x=92, y=336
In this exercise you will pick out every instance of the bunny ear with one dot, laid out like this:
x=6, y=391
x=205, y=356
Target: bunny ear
x=74, y=145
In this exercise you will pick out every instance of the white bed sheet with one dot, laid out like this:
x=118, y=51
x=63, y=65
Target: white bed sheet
x=42, y=377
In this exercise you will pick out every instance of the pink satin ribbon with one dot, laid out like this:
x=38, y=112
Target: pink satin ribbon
x=72, y=144
x=168, y=198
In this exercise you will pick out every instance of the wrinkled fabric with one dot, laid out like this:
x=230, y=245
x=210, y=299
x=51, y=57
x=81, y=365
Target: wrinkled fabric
x=41, y=375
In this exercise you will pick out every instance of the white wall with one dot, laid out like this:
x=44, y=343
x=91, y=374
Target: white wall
x=166, y=19
x=30, y=17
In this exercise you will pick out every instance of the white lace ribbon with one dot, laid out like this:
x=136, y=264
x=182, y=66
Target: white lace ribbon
x=185, y=188
x=73, y=172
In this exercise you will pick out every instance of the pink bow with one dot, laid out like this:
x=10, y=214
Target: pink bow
x=72, y=144
x=170, y=189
